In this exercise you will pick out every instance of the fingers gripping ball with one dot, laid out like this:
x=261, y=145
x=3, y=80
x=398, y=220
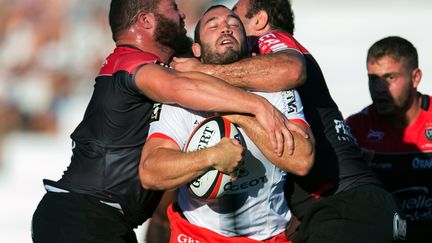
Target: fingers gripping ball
x=208, y=133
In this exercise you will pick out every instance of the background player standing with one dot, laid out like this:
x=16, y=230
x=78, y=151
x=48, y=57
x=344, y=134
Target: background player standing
x=395, y=131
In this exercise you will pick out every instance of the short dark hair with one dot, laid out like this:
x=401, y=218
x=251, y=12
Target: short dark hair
x=395, y=47
x=281, y=15
x=124, y=13
x=197, y=31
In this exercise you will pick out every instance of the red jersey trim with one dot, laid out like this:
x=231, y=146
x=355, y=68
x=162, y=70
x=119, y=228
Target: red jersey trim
x=300, y=121
x=126, y=58
x=162, y=136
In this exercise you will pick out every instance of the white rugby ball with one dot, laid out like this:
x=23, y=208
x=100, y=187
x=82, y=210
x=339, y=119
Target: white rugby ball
x=208, y=133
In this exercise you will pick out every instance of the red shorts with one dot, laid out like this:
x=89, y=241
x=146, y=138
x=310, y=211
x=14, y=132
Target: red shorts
x=184, y=232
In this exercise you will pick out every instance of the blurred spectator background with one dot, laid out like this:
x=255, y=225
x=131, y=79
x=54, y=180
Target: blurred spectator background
x=50, y=51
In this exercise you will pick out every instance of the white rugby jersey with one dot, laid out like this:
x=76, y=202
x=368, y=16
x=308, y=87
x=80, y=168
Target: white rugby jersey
x=254, y=206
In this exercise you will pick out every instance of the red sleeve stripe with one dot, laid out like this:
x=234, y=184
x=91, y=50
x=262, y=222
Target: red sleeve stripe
x=162, y=136
x=300, y=121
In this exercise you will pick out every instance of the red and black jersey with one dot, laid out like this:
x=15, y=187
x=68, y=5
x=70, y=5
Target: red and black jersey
x=107, y=143
x=402, y=158
x=338, y=163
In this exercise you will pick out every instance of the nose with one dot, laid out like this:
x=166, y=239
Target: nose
x=378, y=86
x=226, y=29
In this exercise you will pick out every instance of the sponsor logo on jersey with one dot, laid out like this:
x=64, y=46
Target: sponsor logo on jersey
x=247, y=185
x=378, y=165
x=157, y=108
x=418, y=163
x=343, y=131
x=428, y=133
x=290, y=101
x=270, y=41
x=375, y=135
x=183, y=238
x=242, y=172
x=416, y=202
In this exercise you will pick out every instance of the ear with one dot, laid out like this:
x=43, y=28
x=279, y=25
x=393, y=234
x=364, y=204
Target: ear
x=196, y=49
x=261, y=20
x=146, y=20
x=416, y=77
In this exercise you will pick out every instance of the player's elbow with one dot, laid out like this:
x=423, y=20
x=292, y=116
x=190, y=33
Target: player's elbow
x=148, y=179
x=304, y=157
x=294, y=74
x=305, y=164
x=153, y=180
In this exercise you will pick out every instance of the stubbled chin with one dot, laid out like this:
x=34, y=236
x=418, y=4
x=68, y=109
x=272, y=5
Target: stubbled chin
x=228, y=47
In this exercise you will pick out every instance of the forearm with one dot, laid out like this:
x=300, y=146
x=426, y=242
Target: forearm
x=196, y=90
x=272, y=72
x=167, y=169
x=214, y=95
x=299, y=163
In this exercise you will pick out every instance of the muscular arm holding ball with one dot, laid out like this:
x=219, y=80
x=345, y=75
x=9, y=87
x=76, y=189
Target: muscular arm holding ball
x=298, y=163
x=164, y=166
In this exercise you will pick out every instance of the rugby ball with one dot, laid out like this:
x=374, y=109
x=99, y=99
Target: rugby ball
x=208, y=133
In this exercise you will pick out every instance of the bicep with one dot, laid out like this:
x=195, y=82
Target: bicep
x=155, y=144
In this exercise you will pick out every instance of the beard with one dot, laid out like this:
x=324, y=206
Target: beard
x=209, y=55
x=171, y=35
x=395, y=107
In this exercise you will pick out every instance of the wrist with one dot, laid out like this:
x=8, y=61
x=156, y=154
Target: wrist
x=260, y=106
x=209, y=160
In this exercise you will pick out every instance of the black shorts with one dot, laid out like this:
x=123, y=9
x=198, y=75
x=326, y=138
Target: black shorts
x=362, y=214
x=73, y=218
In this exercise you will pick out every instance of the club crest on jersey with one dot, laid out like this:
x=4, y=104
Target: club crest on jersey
x=157, y=108
x=428, y=133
